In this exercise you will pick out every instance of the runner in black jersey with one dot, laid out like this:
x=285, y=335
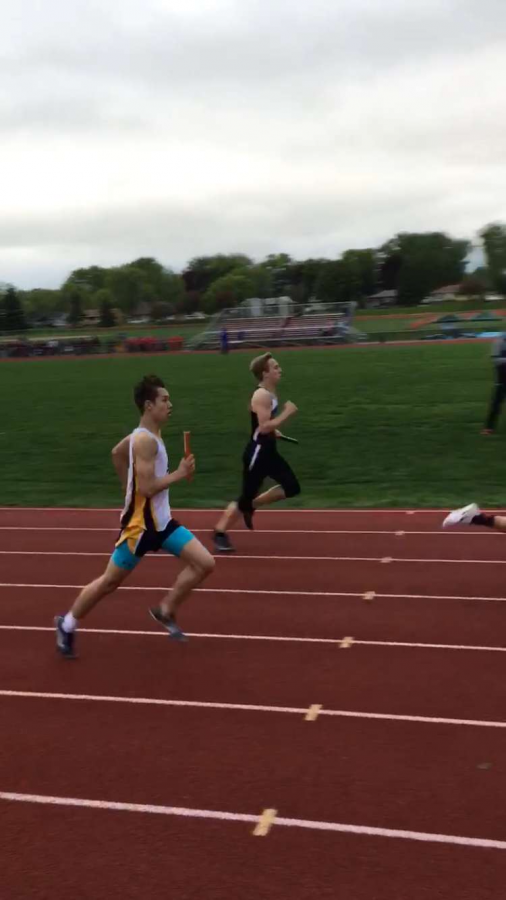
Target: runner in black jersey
x=260, y=458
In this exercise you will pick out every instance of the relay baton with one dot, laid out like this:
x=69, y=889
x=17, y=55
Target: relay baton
x=284, y=437
x=187, y=448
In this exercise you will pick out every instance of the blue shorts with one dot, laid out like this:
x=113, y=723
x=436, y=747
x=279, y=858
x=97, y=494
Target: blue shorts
x=129, y=552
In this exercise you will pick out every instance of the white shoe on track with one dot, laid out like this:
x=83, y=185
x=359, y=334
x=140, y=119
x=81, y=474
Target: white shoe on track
x=462, y=516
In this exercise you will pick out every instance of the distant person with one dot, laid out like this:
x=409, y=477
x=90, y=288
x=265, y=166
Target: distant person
x=261, y=459
x=499, y=393
x=224, y=340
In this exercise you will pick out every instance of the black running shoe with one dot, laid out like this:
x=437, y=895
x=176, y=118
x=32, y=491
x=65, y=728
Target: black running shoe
x=64, y=639
x=222, y=542
x=169, y=623
x=248, y=518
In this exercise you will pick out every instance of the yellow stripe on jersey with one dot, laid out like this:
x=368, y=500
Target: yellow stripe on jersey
x=136, y=523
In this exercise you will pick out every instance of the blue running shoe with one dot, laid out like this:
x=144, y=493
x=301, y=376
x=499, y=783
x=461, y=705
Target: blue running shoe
x=170, y=625
x=64, y=639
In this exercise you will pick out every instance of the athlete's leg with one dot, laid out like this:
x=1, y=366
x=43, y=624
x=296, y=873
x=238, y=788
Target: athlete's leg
x=253, y=475
x=472, y=515
x=229, y=517
x=198, y=566
x=288, y=485
x=94, y=592
x=498, y=397
x=272, y=495
x=253, y=478
x=122, y=562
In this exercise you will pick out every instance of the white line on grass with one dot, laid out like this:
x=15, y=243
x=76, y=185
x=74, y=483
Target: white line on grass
x=283, y=822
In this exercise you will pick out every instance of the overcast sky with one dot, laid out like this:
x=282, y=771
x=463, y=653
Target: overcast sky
x=175, y=128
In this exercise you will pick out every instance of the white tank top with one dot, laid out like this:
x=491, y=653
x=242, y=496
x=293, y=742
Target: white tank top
x=140, y=513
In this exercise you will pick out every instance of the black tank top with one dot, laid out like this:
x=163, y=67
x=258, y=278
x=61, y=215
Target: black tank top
x=255, y=435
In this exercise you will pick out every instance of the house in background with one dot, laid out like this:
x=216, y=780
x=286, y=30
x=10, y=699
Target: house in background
x=90, y=317
x=442, y=294
x=141, y=315
x=382, y=299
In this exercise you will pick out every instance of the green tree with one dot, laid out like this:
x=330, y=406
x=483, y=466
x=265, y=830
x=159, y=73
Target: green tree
x=258, y=278
x=419, y=263
x=328, y=286
x=280, y=268
x=202, y=271
x=172, y=288
x=126, y=285
x=227, y=291
x=12, y=316
x=92, y=278
x=303, y=278
x=359, y=274
x=42, y=303
x=103, y=300
x=74, y=300
x=494, y=243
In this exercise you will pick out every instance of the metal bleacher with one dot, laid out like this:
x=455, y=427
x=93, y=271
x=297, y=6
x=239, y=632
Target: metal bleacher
x=279, y=323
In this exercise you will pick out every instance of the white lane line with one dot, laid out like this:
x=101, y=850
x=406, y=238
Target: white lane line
x=111, y=530
x=283, y=822
x=252, y=556
x=264, y=637
x=265, y=512
x=220, y=590
x=246, y=707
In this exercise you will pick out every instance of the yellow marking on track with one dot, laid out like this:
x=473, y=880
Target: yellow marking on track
x=265, y=822
x=346, y=643
x=313, y=712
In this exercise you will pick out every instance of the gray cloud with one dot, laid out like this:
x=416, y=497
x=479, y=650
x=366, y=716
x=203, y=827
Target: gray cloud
x=221, y=125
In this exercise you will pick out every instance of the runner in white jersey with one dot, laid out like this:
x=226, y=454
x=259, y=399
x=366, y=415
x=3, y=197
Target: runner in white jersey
x=146, y=522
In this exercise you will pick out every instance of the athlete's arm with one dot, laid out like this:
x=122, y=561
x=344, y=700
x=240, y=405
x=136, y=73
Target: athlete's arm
x=120, y=460
x=145, y=450
x=261, y=405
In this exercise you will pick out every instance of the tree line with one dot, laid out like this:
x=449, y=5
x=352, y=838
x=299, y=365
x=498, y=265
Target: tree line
x=413, y=264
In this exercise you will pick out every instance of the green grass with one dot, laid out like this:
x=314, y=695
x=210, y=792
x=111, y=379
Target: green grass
x=422, y=322
x=437, y=308
x=378, y=426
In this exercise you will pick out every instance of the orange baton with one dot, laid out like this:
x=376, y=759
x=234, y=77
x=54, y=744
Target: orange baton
x=187, y=447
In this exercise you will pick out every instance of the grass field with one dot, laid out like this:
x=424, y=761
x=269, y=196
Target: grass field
x=378, y=426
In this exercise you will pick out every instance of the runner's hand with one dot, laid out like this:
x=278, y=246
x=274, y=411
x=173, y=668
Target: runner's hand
x=187, y=466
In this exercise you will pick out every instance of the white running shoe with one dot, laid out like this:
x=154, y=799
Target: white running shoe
x=462, y=516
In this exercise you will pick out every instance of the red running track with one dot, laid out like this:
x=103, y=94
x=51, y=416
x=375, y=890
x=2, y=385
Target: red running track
x=444, y=780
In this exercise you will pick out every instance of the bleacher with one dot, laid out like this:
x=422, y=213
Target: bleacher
x=297, y=326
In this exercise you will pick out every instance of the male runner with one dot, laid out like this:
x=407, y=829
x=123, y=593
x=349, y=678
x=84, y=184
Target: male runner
x=261, y=458
x=146, y=522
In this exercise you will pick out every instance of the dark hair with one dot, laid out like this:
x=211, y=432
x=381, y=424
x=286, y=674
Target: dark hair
x=147, y=389
x=259, y=365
